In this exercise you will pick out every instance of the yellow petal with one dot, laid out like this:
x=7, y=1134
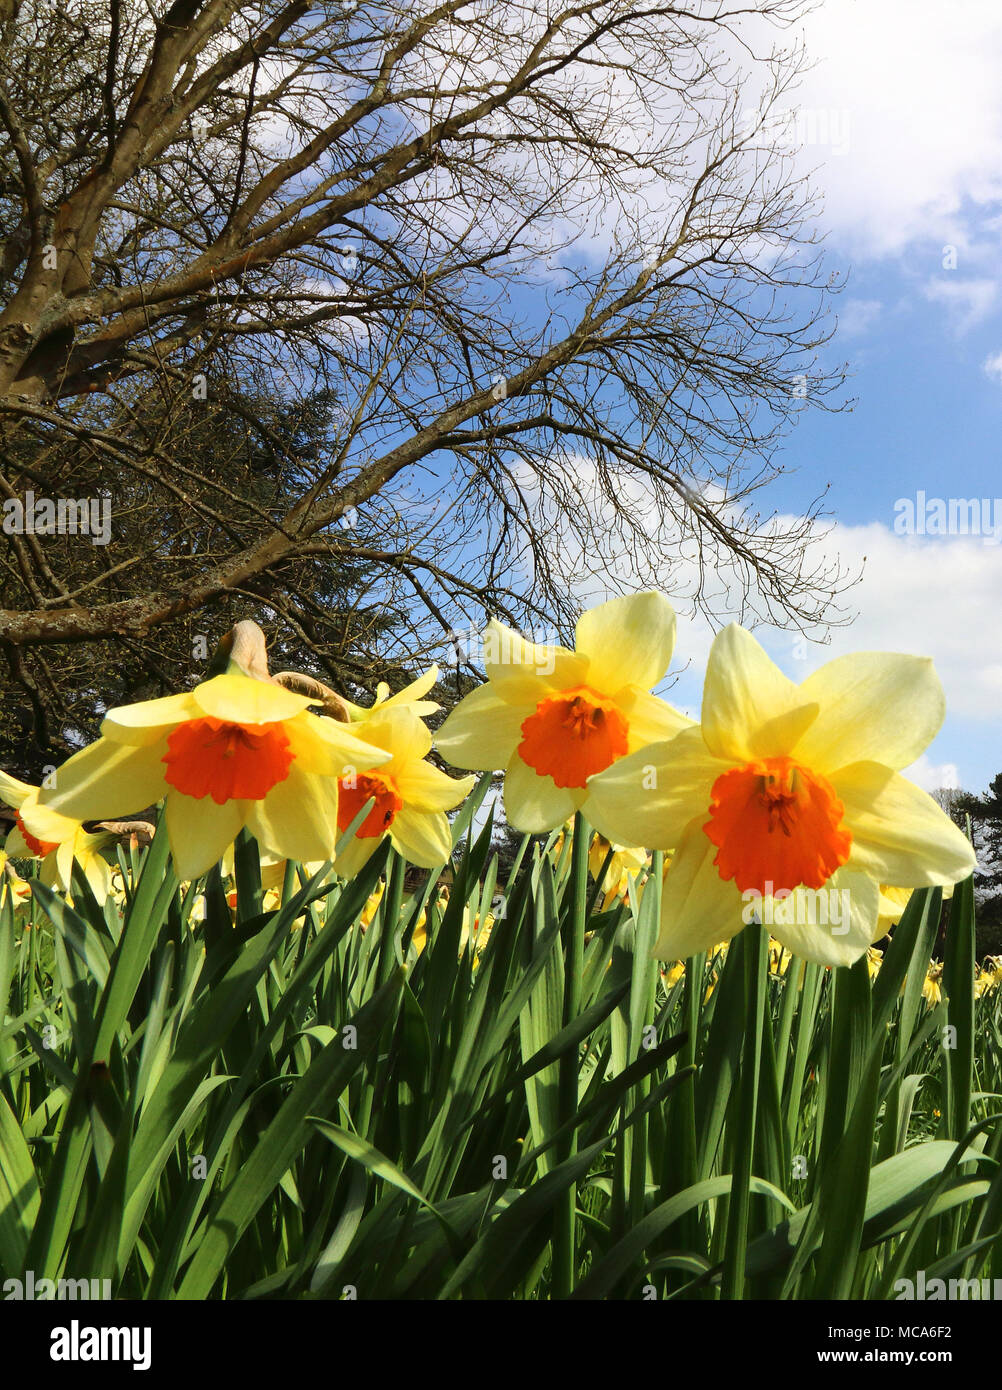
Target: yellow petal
x=649, y=797
x=899, y=835
x=628, y=641
x=422, y=837
x=46, y=824
x=893, y=901
x=750, y=709
x=357, y=855
x=16, y=847
x=875, y=706
x=200, y=831
x=148, y=720
x=521, y=670
x=12, y=791
x=242, y=700
x=426, y=788
x=106, y=781
x=328, y=748
x=298, y=817
x=400, y=733
x=650, y=719
x=533, y=803
x=483, y=731
x=698, y=908
x=833, y=925
x=96, y=869
x=411, y=694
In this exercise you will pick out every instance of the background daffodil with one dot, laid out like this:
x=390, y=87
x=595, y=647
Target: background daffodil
x=410, y=697
x=411, y=796
x=55, y=840
x=551, y=718
x=626, y=863
x=233, y=752
x=785, y=790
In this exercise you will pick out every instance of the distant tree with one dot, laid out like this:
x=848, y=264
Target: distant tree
x=985, y=812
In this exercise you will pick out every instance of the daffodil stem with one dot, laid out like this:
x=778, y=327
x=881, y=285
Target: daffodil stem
x=753, y=943
x=564, y=1245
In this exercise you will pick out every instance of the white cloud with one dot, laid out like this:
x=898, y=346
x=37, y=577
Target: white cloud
x=921, y=88
x=968, y=302
x=929, y=596
x=993, y=366
x=931, y=776
x=857, y=316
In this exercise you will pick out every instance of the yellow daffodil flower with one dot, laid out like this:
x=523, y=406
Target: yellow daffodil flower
x=893, y=902
x=11, y=883
x=372, y=904
x=779, y=957
x=989, y=976
x=410, y=697
x=551, y=717
x=411, y=795
x=55, y=840
x=786, y=802
x=626, y=863
x=932, y=991
x=233, y=752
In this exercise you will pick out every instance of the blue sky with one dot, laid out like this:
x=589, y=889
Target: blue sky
x=913, y=211
x=900, y=124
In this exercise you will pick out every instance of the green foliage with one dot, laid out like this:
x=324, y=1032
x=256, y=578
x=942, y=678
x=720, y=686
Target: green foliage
x=325, y=1095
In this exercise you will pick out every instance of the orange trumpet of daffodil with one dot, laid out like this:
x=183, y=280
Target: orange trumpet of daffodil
x=551, y=718
x=787, y=802
x=410, y=795
x=233, y=752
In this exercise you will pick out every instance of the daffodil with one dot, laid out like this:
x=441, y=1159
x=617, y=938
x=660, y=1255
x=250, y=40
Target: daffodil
x=893, y=902
x=411, y=795
x=234, y=752
x=11, y=883
x=626, y=863
x=481, y=931
x=551, y=718
x=989, y=976
x=56, y=840
x=890, y=909
x=779, y=957
x=411, y=697
x=932, y=991
x=372, y=904
x=786, y=803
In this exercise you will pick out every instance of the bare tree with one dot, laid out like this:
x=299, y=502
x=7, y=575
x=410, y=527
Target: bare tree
x=548, y=263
